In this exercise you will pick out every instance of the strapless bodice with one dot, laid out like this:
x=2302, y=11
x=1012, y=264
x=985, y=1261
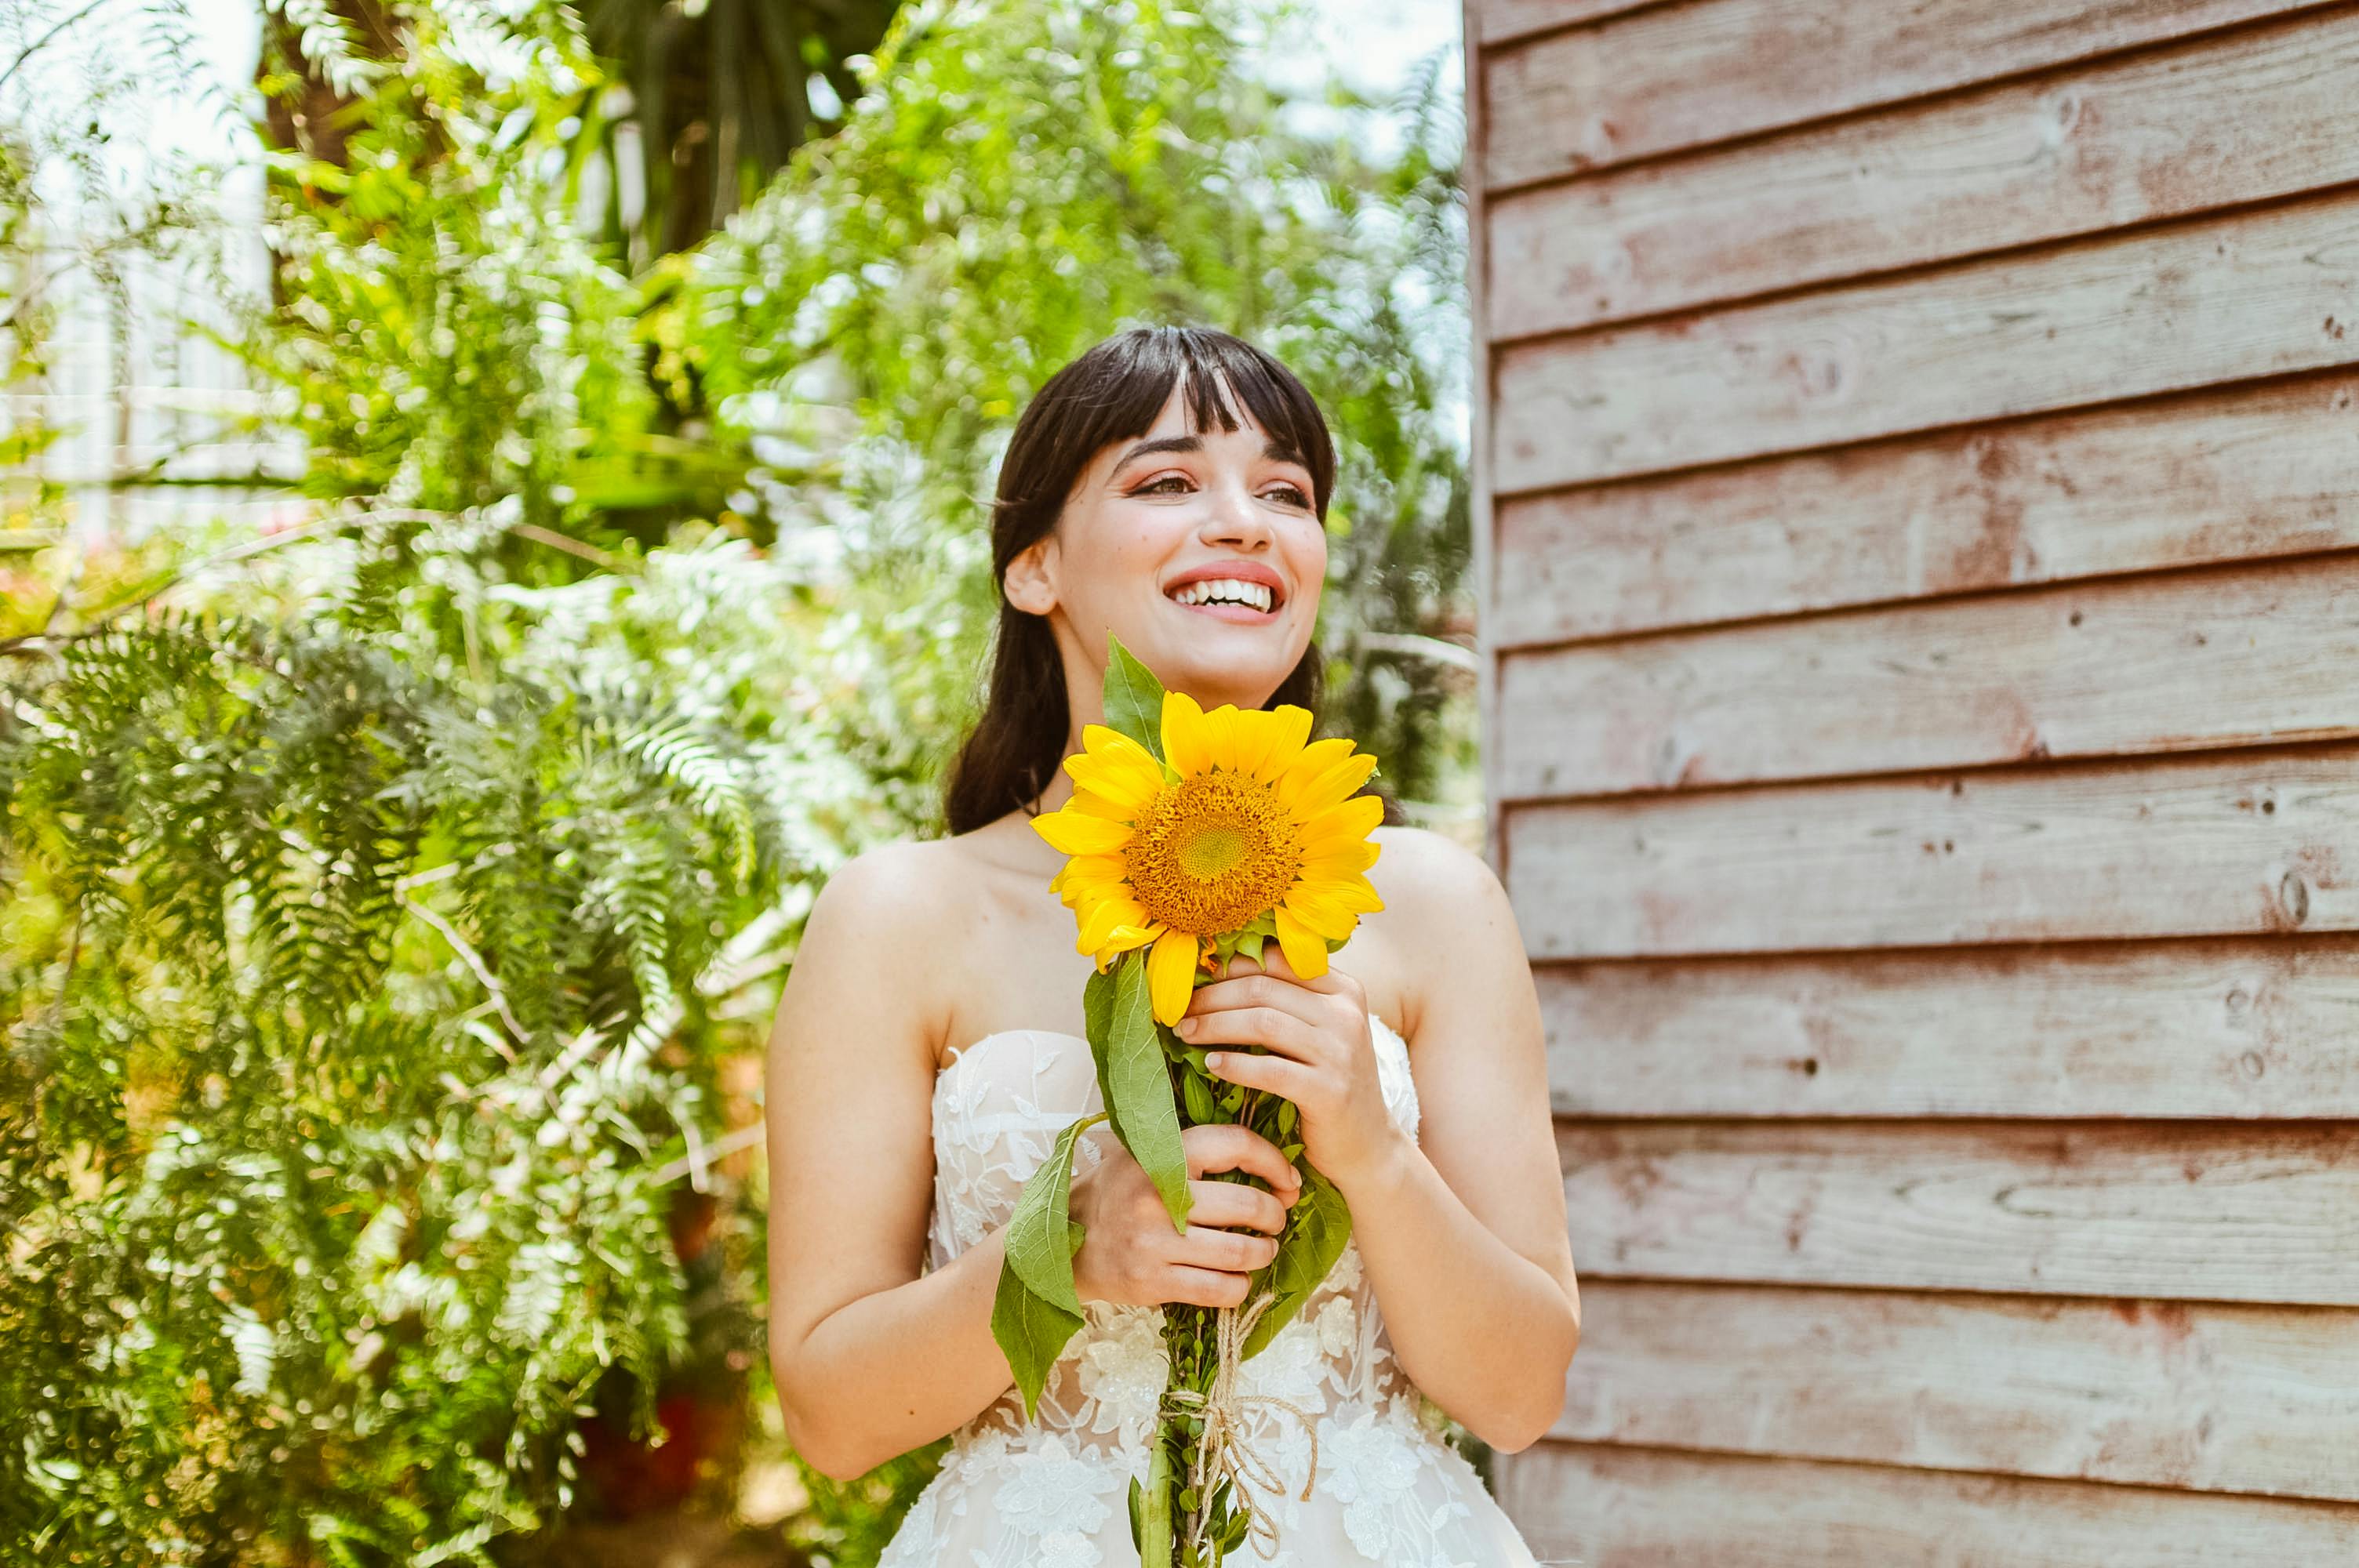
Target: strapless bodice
x=1000, y=1103
x=1051, y=1491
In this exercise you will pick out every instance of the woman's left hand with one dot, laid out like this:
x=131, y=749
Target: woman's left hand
x=1320, y=1055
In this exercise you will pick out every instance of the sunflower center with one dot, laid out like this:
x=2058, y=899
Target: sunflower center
x=1212, y=852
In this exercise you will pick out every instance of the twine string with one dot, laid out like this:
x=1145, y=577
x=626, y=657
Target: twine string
x=1225, y=1449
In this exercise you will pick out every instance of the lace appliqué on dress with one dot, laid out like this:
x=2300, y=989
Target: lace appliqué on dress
x=1053, y=1492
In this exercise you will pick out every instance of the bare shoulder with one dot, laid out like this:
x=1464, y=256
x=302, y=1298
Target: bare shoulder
x=1431, y=876
x=888, y=889
x=1447, y=920
x=859, y=957
x=892, y=892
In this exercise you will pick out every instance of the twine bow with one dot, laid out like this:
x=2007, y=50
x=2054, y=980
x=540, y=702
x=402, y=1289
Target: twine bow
x=1224, y=1449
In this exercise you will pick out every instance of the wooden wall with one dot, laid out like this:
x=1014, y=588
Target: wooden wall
x=1919, y=528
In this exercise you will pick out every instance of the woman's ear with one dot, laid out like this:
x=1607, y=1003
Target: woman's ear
x=1030, y=583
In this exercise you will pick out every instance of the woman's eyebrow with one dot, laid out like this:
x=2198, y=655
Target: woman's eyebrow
x=1275, y=451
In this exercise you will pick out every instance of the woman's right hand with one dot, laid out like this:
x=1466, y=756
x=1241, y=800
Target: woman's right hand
x=1131, y=1252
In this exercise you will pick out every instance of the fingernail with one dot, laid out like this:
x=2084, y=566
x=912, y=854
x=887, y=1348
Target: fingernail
x=1213, y=1061
x=1186, y=1026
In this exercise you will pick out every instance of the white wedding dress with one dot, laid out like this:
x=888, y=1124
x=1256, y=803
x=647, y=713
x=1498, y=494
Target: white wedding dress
x=1053, y=1492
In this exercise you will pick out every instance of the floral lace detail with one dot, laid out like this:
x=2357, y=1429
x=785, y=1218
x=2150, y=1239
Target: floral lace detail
x=1054, y=1491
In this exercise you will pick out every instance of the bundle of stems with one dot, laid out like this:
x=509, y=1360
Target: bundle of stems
x=1193, y=838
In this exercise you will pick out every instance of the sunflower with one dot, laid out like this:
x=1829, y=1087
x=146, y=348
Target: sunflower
x=1240, y=827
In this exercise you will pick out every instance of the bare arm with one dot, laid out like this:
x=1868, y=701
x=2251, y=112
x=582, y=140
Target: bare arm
x=1467, y=1225
x=871, y=1358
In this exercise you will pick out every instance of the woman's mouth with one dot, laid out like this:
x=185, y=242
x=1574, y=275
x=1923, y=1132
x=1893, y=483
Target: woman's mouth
x=1228, y=598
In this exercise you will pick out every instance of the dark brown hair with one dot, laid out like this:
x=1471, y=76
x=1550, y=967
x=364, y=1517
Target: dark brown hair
x=1110, y=394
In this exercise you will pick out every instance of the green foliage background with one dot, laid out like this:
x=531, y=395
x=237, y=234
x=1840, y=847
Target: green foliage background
x=394, y=902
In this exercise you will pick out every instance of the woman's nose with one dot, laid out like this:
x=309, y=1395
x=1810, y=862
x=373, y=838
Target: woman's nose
x=1233, y=516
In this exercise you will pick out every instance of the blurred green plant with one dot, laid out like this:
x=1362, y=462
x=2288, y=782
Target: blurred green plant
x=390, y=905
x=1020, y=180
x=364, y=1006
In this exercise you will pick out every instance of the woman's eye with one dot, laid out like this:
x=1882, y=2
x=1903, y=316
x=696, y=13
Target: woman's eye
x=1182, y=479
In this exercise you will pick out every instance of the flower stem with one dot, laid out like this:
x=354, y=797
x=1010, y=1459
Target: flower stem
x=1155, y=1511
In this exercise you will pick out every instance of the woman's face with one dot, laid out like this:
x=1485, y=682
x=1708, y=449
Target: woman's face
x=1162, y=536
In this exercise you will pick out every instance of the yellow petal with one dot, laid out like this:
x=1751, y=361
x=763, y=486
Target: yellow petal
x=1279, y=737
x=1331, y=788
x=1089, y=803
x=1350, y=894
x=1115, y=766
x=1339, y=858
x=1097, y=932
x=1346, y=821
x=1125, y=937
x=1309, y=763
x=1077, y=833
x=1306, y=953
x=1183, y=733
x=1091, y=876
x=1225, y=734
x=1171, y=974
x=1317, y=914
x=1105, y=742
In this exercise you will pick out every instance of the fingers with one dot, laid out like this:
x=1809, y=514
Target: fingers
x=1280, y=1076
x=1234, y=1203
x=1223, y=1147
x=1231, y=1251
x=1253, y=991
x=1276, y=979
x=1279, y=1030
x=1203, y=1287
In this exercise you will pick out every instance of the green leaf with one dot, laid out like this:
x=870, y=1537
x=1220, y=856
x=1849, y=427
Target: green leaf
x=1032, y=1332
x=1136, y=1490
x=1037, y=1309
x=1198, y=1097
x=1097, y=1002
x=1249, y=943
x=1041, y=1238
x=1316, y=1227
x=1135, y=1081
x=1133, y=698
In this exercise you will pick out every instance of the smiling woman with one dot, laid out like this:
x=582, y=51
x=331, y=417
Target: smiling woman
x=1153, y=484
x=1166, y=492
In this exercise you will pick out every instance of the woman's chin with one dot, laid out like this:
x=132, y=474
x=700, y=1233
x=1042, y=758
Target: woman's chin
x=1219, y=664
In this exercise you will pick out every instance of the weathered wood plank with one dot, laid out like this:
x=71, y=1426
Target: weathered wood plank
x=1499, y=21
x=2191, y=661
x=1482, y=515
x=1627, y=1507
x=2200, y=1396
x=2196, y=1212
x=1691, y=75
x=2192, y=304
x=2245, y=843
x=2166, y=134
x=2251, y=1028
x=2270, y=470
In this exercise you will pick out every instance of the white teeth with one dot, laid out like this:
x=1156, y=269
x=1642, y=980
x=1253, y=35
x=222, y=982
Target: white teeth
x=1225, y=590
